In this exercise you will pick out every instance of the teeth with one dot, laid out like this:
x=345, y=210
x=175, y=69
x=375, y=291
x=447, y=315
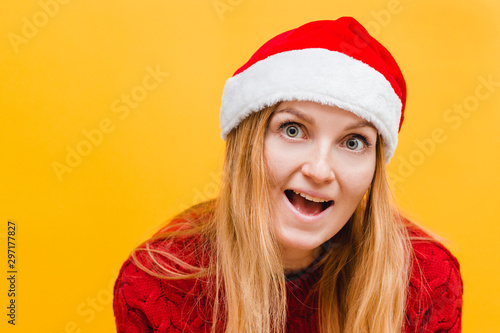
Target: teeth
x=308, y=197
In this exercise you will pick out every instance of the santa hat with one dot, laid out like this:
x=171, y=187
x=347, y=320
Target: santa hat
x=330, y=62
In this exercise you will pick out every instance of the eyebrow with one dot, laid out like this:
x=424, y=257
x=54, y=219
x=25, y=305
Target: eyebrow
x=298, y=114
x=309, y=119
x=360, y=124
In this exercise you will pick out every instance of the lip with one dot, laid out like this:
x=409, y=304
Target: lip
x=303, y=217
x=311, y=194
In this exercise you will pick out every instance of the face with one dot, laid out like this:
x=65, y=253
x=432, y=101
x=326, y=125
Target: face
x=321, y=161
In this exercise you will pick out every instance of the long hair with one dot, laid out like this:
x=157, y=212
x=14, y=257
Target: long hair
x=365, y=275
x=365, y=280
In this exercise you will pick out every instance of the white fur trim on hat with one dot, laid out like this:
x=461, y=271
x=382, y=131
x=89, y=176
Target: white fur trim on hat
x=317, y=75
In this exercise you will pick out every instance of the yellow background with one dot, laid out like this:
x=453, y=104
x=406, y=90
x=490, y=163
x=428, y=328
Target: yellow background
x=67, y=75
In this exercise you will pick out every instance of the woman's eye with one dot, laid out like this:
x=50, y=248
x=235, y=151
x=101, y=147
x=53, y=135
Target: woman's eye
x=354, y=143
x=293, y=131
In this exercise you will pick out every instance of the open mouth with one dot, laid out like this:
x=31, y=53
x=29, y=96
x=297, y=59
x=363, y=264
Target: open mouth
x=306, y=204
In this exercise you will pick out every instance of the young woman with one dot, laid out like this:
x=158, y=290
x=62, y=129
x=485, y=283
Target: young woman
x=303, y=236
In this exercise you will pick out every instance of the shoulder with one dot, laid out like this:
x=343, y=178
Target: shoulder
x=164, y=259
x=431, y=257
x=136, y=296
x=432, y=261
x=145, y=299
x=436, y=287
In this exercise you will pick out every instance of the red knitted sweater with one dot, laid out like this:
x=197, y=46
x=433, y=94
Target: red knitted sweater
x=144, y=303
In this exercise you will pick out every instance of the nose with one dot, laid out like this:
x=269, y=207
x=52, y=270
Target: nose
x=319, y=167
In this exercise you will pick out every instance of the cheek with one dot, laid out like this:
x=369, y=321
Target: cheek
x=272, y=164
x=275, y=169
x=280, y=162
x=357, y=179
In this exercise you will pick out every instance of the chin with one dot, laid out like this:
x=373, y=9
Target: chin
x=298, y=241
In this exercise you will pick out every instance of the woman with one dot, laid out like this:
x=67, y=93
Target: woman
x=303, y=236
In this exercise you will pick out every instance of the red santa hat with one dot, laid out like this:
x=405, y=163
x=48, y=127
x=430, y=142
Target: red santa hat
x=330, y=62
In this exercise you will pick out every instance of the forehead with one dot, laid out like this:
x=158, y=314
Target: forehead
x=314, y=113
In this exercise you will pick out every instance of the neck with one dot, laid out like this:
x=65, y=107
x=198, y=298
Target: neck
x=296, y=259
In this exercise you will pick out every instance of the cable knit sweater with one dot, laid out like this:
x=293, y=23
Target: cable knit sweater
x=144, y=303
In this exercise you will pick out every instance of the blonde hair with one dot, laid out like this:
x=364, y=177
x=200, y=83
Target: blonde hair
x=365, y=280
x=365, y=276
